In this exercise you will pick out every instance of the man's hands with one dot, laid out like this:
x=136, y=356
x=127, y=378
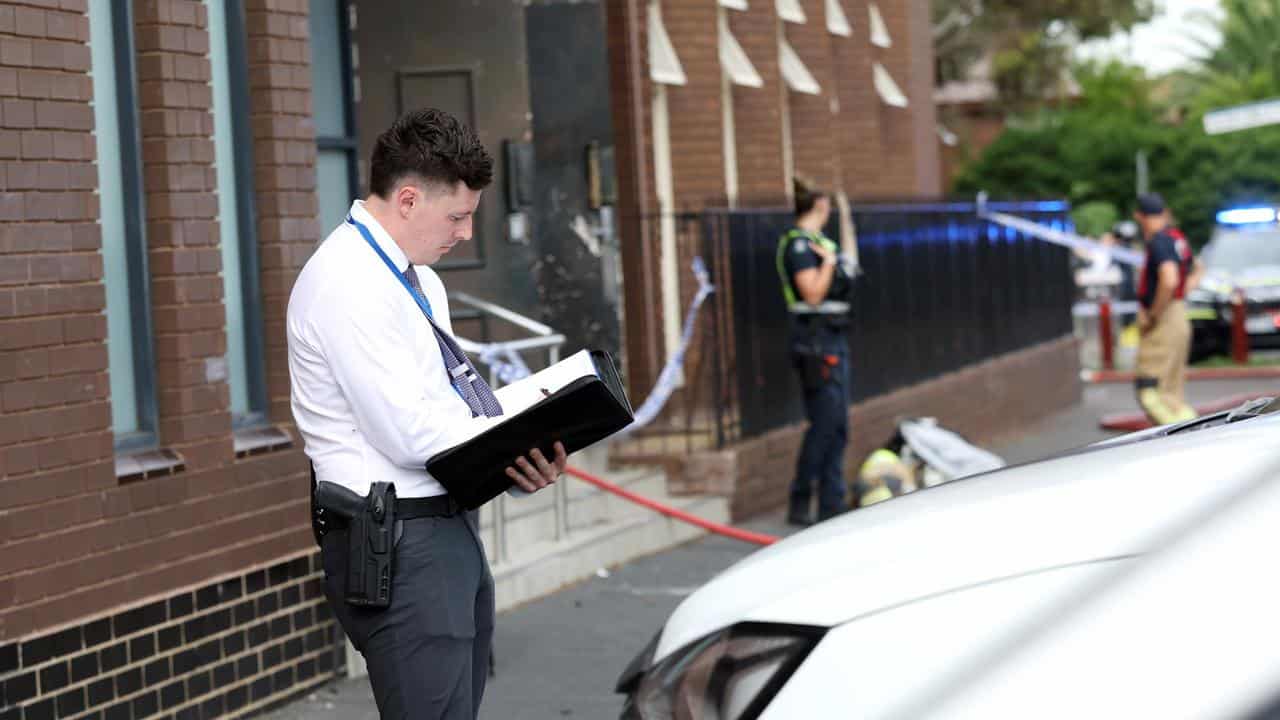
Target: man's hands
x=535, y=475
x=1145, y=323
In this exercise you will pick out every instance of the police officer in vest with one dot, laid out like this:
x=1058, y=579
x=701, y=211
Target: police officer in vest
x=817, y=288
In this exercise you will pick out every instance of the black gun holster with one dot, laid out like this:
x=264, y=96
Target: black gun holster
x=370, y=526
x=816, y=366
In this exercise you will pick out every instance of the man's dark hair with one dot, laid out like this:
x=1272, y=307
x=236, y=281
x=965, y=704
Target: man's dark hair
x=1150, y=204
x=805, y=196
x=433, y=145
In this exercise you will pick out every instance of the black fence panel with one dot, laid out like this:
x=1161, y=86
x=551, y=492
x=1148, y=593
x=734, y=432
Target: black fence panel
x=941, y=289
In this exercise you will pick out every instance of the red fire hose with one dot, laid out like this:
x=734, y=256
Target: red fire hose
x=717, y=528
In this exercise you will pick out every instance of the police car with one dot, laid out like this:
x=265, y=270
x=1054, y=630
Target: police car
x=889, y=610
x=1243, y=255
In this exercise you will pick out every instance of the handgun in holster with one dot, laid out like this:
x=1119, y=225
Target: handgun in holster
x=370, y=522
x=816, y=367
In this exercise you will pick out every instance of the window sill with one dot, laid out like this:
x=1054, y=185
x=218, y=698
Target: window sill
x=148, y=464
x=249, y=442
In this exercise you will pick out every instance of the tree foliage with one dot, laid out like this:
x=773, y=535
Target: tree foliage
x=1086, y=152
x=1025, y=45
x=1245, y=64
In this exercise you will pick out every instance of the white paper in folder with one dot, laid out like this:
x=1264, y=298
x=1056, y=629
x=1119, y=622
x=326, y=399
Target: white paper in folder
x=521, y=394
x=524, y=393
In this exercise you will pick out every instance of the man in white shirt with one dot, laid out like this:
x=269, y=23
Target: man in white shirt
x=374, y=397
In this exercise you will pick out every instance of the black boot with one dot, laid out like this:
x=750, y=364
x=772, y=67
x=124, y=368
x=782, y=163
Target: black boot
x=799, y=518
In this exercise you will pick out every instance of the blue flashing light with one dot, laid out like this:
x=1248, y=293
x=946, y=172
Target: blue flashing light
x=1247, y=216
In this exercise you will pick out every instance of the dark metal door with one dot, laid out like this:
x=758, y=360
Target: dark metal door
x=578, y=265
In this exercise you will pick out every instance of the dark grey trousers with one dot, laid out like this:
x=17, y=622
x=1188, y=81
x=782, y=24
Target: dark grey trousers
x=428, y=654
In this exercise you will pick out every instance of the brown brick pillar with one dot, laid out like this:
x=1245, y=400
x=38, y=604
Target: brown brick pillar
x=55, y=419
x=858, y=123
x=697, y=148
x=284, y=150
x=758, y=111
x=174, y=103
x=924, y=113
x=630, y=98
x=897, y=125
x=814, y=140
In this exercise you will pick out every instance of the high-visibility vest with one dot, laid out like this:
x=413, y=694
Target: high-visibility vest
x=795, y=305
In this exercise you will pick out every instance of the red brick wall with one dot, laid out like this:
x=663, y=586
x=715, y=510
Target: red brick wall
x=55, y=434
x=815, y=141
x=697, y=148
x=983, y=402
x=284, y=170
x=897, y=177
x=175, y=99
x=924, y=114
x=758, y=111
x=73, y=540
x=858, y=123
x=976, y=127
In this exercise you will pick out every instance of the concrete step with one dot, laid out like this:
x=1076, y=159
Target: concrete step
x=531, y=520
x=543, y=568
x=589, y=505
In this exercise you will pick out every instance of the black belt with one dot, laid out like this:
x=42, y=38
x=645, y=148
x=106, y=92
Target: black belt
x=820, y=321
x=419, y=507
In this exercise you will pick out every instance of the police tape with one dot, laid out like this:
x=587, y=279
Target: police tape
x=1091, y=308
x=670, y=375
x=504, y=361
x=653, y=404
x=508, y=367
x=1058, y=237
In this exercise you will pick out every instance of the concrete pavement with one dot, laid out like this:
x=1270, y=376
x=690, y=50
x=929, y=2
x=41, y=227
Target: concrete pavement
x=559, y=657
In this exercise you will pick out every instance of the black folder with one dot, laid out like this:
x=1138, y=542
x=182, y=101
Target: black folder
x=588, y=409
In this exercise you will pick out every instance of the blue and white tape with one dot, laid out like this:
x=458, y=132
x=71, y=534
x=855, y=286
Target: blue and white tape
x=508, y=366
x=670, y=374
x=505, y=362
x=1057, y=237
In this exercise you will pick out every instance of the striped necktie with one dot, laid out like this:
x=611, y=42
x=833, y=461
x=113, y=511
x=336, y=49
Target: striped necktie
x=462, y=374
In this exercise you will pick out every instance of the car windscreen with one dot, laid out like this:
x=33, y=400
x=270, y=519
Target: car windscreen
x=1235, y=251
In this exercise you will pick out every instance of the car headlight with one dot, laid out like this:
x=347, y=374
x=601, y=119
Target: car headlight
x=731, y=674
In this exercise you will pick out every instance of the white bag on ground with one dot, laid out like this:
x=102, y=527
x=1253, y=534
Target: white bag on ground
x=945, y=453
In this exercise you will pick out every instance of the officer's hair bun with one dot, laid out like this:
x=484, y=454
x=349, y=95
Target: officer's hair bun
x=806, y=195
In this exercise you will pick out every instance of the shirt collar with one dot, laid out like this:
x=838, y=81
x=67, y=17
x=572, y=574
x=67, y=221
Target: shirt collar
x=380, y=235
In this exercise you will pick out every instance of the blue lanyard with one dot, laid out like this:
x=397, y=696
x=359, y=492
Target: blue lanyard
x=418, y=297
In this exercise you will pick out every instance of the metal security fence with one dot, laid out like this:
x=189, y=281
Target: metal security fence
x=941, y=289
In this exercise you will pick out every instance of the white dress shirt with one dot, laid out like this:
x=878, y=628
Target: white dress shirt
x=370, y=393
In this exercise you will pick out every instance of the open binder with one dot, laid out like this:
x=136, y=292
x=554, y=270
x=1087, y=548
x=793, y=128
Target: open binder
x=577, y=401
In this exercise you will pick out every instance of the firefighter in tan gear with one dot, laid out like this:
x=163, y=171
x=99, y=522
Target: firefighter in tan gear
x=1168, y=272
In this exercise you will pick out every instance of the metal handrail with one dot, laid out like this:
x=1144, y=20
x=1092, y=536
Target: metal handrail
x=476, y=348
x=510, y=316
x=544, y=337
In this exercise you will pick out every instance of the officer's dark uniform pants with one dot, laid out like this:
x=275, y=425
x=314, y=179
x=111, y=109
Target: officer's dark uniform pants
x=428, y=654
x=826, y=402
